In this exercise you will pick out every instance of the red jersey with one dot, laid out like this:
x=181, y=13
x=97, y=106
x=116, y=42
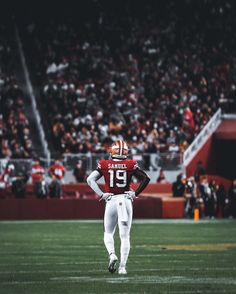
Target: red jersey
x=37, y=172
x=5, y=177
x=57, y=170
x=117, y=174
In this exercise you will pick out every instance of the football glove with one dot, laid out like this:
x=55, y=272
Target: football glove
x=106, y=196
x=130, y=195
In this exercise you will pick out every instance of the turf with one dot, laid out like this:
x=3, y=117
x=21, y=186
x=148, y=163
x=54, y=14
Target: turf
x=166, y=257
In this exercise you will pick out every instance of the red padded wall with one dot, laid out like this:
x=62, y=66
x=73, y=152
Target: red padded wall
x=205, y=155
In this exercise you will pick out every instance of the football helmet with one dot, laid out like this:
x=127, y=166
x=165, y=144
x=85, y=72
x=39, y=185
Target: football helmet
x=119, y=149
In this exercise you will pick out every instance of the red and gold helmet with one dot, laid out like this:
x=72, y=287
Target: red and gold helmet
x=119, y=149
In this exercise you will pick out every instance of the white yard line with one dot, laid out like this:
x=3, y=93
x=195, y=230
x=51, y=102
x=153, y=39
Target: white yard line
x=50, y=263
x=30, y=271
x=135, y=221
x=115, y=279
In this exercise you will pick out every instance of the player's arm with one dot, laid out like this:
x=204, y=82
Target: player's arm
x=92, y=182
x=143, y=179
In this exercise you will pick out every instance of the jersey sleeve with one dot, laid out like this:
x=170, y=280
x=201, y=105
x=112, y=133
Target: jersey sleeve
x=99, y=166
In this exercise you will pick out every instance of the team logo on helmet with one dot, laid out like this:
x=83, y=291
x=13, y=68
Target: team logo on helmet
x=119, y=149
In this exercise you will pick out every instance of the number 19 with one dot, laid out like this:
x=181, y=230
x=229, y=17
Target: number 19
x=120, y=175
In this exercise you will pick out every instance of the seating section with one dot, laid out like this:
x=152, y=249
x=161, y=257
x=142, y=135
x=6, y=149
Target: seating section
x=15, y=140
x=154, y=81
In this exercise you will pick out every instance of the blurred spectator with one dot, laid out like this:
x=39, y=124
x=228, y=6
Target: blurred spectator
x=37, y=171
x=200, y=205
x=79, y=172
x=188, y=120
x=232, y=199
x=19, y=185
x=208, y=194
x=178, y=187
x=227, y=208
x=199, y=171
x=38, y=180
x=191, y=197
x=5, y=177
x=221, y=201
x=57, y=173
x=162, y=178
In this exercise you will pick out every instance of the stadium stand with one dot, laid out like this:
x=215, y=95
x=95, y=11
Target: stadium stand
x=153, y=80
x=154, y=77
x=15, y=137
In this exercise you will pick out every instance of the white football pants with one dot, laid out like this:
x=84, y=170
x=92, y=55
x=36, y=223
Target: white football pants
x=119, y=211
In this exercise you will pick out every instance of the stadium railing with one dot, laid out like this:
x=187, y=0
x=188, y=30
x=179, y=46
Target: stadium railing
x=151, y=162
x=202, y=137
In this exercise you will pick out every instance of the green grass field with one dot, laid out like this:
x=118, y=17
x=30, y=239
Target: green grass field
x=166, y=257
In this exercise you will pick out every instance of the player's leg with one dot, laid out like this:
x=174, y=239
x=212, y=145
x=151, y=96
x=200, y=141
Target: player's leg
x=110, y=222
x=124, y=232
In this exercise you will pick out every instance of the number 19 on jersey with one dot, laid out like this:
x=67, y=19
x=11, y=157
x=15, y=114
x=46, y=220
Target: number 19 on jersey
x=118, y=178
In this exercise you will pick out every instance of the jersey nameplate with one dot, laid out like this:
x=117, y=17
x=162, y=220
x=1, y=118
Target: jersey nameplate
x=117, y=165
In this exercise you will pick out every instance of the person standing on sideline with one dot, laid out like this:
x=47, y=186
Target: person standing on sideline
x=117, y=173
x=199, y=171
x=57, y=173
x=179, y=187
x=38, y=180
x=79, y=172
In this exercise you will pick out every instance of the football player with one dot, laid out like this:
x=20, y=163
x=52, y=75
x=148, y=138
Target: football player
x=118, y=195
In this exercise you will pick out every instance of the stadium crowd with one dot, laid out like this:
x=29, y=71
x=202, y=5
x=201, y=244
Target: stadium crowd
x=15, y=141
x=151, y=77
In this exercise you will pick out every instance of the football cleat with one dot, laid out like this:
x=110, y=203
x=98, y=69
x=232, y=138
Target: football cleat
x=112, y=263
x=122, y=271
x=119, y=150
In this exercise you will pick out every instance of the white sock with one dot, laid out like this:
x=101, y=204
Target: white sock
x=124, y=251
x=109, y=243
